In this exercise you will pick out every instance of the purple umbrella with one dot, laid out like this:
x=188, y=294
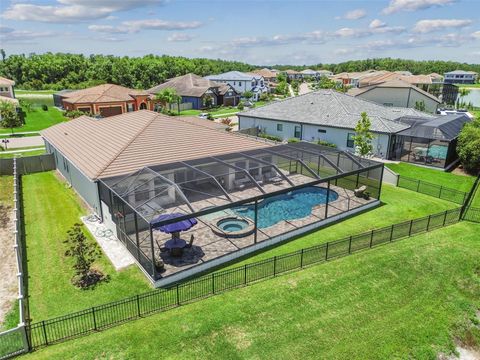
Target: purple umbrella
x=175, y=227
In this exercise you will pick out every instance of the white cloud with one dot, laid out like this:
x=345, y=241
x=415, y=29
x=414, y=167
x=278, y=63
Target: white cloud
x=413, y=5
x=177, y=37
x=476, y=35
x=375, y=24
x=135, y=26
x=353, y=15
x=11, y=35
x=67, y=11
x=426, y=26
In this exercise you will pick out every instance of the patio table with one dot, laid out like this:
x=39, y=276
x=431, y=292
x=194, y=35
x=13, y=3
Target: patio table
x=175, y=243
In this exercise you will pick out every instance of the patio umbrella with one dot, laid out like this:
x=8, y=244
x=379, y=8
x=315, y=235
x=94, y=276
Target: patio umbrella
x=175, y=227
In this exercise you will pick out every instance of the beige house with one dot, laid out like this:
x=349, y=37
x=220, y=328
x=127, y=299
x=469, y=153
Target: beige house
x=397, y=93
x=7, y=93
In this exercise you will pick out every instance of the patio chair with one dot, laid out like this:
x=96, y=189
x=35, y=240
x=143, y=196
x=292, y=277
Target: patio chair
x=360, y=191
x=272, y=177
x=239, y=184
x=189, y=245
x=259, y=179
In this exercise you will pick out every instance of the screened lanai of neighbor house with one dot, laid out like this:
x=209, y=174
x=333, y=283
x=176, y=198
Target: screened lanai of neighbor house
x=241, y=202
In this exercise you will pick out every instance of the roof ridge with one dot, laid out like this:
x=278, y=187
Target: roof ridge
x=134, y=136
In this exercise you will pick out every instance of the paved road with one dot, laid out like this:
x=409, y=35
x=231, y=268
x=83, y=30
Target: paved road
x=24, y=142
x=304, y=89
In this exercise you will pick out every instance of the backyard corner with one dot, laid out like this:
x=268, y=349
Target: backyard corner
x=427, y=285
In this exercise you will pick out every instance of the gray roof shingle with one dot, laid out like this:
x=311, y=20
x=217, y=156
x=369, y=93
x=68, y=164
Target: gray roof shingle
x=334, y=109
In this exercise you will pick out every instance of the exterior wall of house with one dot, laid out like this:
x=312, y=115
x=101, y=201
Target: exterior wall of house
x=195, y=101
x=132, y=105
x=7, y=91
x=83, y=186
x=401, y=97
x=460, y=78
x=242, y=85
x=287, y=130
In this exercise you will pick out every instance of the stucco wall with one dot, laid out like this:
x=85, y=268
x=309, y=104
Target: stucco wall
x=401, y=97
x=336, y=136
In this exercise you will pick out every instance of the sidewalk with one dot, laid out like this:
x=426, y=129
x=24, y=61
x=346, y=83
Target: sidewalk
x=24, y=142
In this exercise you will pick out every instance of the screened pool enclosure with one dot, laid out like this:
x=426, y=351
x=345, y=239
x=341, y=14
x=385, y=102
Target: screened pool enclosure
x=237, y=203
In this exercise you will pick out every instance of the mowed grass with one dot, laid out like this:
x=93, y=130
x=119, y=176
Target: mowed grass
x=407, y=300
x=453, y=181
x=26, y=151
x=397, y=205
x=50, y=210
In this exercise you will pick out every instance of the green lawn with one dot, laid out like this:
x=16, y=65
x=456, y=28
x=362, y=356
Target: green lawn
x=407, y=300
x=454, y=181
x=21, y=152
x=38, y=119
x=398, y=205
x=50, y=210
x=468, y=85
x=34, y=92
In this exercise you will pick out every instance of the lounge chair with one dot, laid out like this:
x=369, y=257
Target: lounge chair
x=360, y=191
x=259, y=179
x=271, y=177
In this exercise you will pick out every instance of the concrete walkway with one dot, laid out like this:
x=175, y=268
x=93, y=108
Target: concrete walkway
x=25, y=142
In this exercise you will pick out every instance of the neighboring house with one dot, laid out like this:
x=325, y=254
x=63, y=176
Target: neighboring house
x=460, y=77
x=270, y=76
x=436, y=78
x=397, y=93
x=325, y=73
x=198, y=91
x=353, y=79
x=106, y=100
x=242, y=82
x=293, y=74
x=7, y=88
x=329, y=116
x=309, y=74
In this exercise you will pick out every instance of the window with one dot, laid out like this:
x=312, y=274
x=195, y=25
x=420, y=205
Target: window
x=279, y=127
x=298, y=132
x=350, y=140
x=130, y=107
x=322, y=131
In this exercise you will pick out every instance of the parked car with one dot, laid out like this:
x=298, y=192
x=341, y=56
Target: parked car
x=203, y=115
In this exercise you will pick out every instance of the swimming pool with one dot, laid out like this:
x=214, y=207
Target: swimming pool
x=296, y=204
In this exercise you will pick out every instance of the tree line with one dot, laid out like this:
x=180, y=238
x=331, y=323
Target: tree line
x=58, y=71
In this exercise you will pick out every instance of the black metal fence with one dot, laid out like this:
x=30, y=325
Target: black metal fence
x=107, y=315
x=435, y=190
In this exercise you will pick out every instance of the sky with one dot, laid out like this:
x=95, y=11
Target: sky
x=262, y=32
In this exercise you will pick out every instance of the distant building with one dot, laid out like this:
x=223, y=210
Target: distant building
x=242, y=82
x=6, y=88
x=198, y=91
x=460, y=77
x=397, y=93
x=106, y=100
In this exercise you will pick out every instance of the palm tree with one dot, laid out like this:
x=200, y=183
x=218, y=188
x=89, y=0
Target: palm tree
x=168, y=96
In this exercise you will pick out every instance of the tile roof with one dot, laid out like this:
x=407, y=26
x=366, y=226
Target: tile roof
x=102, y=93
x=124, y=143
x=397, y=83
x=233, y=75
x=460, y=72
x=5, y=81
x=266, y=73
x=334, y=109
x=187, y=85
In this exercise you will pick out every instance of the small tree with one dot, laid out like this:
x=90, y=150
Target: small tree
x=84, y=254
x=248, y=94
x=363, y=136
x=420, y=105
x=208, y=101
x=9, y=117
x=468, y=146
x=168, y=96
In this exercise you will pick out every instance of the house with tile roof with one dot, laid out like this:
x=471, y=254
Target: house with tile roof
x=106, y=100
x=7, y=92
x=242, y=82
x=329, y=116
x=460, y=77
x=398, y=93
x=199, y=92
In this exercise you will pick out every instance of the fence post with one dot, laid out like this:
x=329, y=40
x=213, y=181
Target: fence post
x=138, y=306
x=445, y=217
x=301, y=259
x=428, y=222
x=274, y=266
x=178, y=296
x=44, y=332
x=350, y=245
x=326, y=252
x=398, y=180
x=410, y=230
x=418, y=185
x=371, y=238
x=440, y=193
x=213, y=283
x=391, y=233
x=94, y=319
x=245, y=275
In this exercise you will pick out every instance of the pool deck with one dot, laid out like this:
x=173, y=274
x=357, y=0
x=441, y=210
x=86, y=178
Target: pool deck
x=208, y=246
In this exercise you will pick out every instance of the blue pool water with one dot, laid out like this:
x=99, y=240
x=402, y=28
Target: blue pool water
x=438, y=152
x=293, y=205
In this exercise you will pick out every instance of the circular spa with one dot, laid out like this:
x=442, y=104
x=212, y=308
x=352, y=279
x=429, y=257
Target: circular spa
x=234, y=227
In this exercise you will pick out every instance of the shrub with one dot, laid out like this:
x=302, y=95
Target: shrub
x=84, y=254
x=468, y=147
x=241, y=106
x=73, y=114
x=210, y=117
x=270, y=137
x=293, y=140
x=326, y=143
x=44, y=107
